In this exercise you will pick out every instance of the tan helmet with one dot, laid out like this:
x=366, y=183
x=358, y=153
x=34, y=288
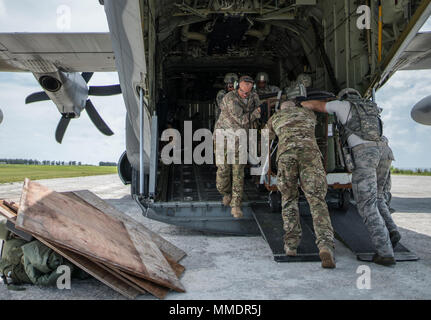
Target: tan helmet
x=305, y=79
x=262, y=76
x=349, y=92
x=230, y=78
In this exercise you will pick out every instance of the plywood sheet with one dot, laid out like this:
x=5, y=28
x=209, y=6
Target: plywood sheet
x=83, y=229
x=165, y=246
x=93, y=269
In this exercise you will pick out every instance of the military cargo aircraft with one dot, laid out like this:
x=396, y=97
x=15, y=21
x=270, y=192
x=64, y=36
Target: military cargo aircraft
x=171, y=56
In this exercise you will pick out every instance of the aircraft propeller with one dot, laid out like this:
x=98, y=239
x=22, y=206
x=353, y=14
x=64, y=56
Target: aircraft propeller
x=89, y=107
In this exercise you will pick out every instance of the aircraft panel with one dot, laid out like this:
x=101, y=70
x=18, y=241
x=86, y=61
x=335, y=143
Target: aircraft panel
x=73, y=52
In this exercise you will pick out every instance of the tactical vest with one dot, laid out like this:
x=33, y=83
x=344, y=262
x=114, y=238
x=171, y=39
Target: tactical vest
x=365, y=121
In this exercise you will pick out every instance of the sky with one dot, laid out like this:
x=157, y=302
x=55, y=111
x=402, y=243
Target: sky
x=27, y=131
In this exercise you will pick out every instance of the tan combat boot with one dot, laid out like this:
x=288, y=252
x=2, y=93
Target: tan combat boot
x=226, y=200
x=327, y=257
x=237, y=213
x=290, y=252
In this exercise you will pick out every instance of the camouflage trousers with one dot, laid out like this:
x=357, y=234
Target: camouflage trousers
x=230, y=180
x=371, y=174
x=305, y=165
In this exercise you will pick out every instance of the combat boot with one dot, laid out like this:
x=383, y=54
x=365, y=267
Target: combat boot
x=227, y=200
x=290, y=252
x=395, y=238
x=327, y=257
x=384, y=261
x=237, y=212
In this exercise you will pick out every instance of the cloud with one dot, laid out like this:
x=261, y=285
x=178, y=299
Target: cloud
x=409, y=140
x=85, y=16
x=3, y=11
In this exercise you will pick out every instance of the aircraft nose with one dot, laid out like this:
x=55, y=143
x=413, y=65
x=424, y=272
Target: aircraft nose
x=421, y=112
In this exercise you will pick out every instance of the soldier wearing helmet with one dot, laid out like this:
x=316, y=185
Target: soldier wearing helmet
x=305, y=79
x=361, y=131
x=229, y=80
x=262, y=84
x=239, y=109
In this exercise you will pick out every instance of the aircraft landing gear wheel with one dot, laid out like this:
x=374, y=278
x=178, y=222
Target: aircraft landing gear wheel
x=275, y=202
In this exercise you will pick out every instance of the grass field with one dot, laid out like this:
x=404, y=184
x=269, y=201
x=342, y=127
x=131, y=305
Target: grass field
x=17, y=172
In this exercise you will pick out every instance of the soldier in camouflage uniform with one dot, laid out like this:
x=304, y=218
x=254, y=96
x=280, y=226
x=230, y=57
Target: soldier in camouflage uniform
x=239, y=109
x=361, y=128
x=262, y=84
x=229, y=80
x=299, y=157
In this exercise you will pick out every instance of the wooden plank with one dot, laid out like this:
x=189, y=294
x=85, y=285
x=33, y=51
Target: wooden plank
x=97, y=203
x=117, y=274
x=144, y=285
x=165, y=246
x=81, y=228
x=156, y=290
x=7, y=213
x=11, y=205
x=113, y=281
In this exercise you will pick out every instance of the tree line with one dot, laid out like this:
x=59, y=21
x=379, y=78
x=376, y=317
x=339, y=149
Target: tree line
x=51, y=162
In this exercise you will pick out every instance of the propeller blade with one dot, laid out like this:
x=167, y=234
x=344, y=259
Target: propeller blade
x=421, y=112
x=104, y=90
x=36, y=97
x=97, y=119
x=87, y=76
x=61, y=129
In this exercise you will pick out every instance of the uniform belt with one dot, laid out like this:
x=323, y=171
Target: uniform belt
x=370, y=144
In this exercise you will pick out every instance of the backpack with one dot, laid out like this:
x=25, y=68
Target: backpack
x=365, y=121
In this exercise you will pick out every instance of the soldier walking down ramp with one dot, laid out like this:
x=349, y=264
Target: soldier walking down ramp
x=362, y=130
x=239, y=109
x=299, y=158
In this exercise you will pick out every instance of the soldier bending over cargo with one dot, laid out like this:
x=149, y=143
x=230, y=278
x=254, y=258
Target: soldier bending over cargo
x=299, y=157
x=362, y=130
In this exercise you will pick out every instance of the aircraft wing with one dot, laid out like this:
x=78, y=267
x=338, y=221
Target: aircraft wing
x=417, y=56
x=72, y=52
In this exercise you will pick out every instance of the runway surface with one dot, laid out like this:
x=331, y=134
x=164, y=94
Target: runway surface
x=219, y=267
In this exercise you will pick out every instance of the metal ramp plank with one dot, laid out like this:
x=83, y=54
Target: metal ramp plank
x=350, y=229
x=271, y=227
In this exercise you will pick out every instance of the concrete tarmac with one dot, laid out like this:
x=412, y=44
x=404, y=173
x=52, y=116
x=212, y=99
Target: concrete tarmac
x=219, y=267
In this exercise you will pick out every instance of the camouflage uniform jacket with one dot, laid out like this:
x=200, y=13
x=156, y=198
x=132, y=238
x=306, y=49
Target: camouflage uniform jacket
x=295, y=128
x=219, y=100
x=220, y=96
x=235, y=114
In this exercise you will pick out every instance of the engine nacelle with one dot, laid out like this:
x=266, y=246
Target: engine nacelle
x=68, y=90
x=1, y=116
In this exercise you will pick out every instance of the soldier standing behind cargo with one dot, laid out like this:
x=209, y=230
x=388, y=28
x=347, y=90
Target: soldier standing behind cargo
x=299, y=157
x=262, y=84
x=239, y=109
x=229, y=80
x=362, y=130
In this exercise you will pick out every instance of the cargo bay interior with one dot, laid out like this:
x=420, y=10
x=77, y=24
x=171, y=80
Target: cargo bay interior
x=192, y=44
